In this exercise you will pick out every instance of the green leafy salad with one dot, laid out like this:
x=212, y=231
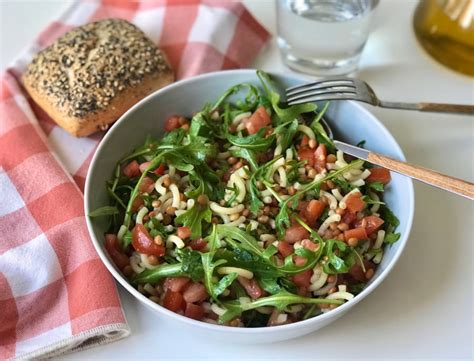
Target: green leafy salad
x=245, y=214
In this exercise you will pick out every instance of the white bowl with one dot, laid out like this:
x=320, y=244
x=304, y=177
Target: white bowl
x=349, y=121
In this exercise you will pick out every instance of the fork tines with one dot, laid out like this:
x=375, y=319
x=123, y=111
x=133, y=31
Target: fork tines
x=328, y=89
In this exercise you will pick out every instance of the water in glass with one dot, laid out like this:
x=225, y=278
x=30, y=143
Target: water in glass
x=323, y=37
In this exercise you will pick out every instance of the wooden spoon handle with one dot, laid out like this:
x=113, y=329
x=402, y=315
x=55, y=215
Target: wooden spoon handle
x=450, y=184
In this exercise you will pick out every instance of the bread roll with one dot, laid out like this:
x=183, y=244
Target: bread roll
x=90, y=76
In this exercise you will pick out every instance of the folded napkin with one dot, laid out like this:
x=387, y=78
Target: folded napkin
x=55, y=294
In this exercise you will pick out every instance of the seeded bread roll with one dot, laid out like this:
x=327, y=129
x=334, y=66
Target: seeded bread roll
x=91, y=75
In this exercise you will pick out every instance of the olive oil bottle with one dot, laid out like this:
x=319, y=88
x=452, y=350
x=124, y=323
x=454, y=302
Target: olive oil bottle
x=445, y=29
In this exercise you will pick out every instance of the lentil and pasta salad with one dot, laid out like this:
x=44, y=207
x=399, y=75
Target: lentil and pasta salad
x=246, y=215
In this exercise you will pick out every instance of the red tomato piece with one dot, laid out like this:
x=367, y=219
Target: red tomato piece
x=172, y=123
x=285, y=248
x=143, y=243
x=132, y=169
x=370, y=223
x=252, y=288
x=358, y=273
x=320, y=158
x=303, y=279
x=143, y=166
x=355, y=203
x=309, y=245
x=381, y=175
x=299, y=260
x=358, y=233
x=193, y=311
x=195, y=292
x=160, y=170
x=137, y=203
x=304, y=141
x=183, y=232
x=113, y=248
x=296, y=233
x=258, y=120
x=197, y=244
x=147, y=185
x=306, y=154
x=175, y=284
x=349, y=217
x=314, y=209
x=174, y=301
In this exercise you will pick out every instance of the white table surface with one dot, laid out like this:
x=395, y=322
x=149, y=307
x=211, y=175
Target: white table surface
x=424, y=309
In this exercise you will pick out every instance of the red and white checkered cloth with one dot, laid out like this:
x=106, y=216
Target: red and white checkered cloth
x=55, y=294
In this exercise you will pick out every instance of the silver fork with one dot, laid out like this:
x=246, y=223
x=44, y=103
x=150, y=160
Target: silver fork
x=356, y=89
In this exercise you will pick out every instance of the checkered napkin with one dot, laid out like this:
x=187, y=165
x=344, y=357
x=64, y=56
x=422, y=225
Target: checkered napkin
x=55, y=294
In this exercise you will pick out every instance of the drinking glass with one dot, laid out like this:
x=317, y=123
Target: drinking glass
x=323, y=37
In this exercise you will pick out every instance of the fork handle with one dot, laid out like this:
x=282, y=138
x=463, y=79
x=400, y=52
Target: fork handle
x=430, y=107
x=448, y=183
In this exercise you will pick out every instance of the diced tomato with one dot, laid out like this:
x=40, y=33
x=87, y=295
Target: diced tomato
x=113, y=248
x=303, y=279
x=160, y=170
x=197, y=244
x=320, y=158
x=381, y=175
x=355, y=203
x=132, y=169
x=285, y=248
x=183, y=232
x=304, y=141
x=309, y=245
x=174, y=301
x=371, y=224
x=193, y=311
x=172, y=123
x=299, y=260
x=306, y=154
x=143, y=243
x=147, y=185
x=349, y=217
x=314, y=209
x=302, y=291
x=296, y=233
x=195, y=292
x=358, y=273
x=258, y=120
x=137, y=203
x=252, y=288
x=358, y=233
x=175, y=284
x=143, y=166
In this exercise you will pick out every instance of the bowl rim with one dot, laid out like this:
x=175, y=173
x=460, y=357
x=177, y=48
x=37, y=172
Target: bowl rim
x=340, y=310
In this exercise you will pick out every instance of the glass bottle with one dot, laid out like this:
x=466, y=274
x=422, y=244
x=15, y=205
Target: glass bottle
x=445, y=29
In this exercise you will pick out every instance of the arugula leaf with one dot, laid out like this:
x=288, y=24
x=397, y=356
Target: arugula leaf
x=191, y=264
x=251, y=98
x=152, y=276
x=391, y=238
x=281, y=301
x=194, y=217
x=244, y=240
x=246, y=154
x=334, y=263
x=256, y=142
x=287, y=133
x=388, y=216
x=284, y=114
x=377, y=186
x=343, y=184
x=175, y=137
x=270, y=284
x=126, y=239
x=104, y=211
x=208, y=267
